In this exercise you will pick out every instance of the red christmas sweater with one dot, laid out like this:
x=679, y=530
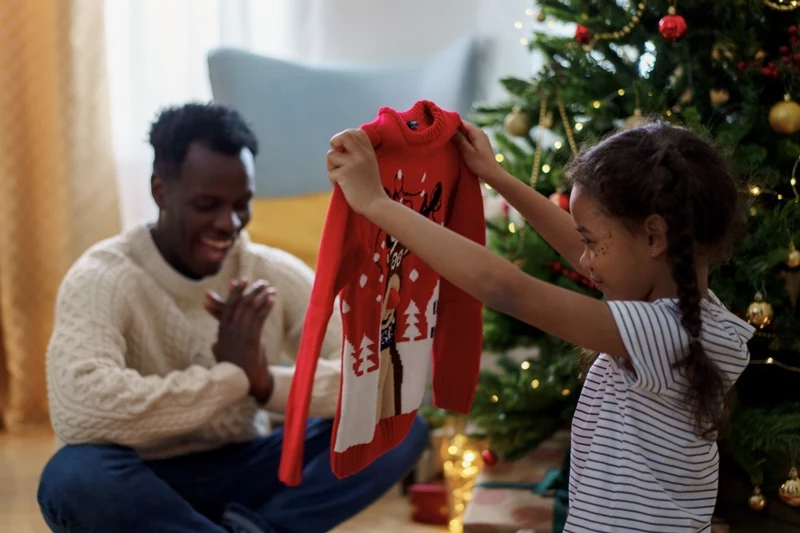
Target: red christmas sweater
x=399, y=316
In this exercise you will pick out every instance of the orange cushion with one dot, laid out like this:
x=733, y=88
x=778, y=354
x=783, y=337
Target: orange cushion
x=293, y=224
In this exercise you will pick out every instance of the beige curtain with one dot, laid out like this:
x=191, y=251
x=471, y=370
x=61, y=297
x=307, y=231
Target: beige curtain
x=57, y=183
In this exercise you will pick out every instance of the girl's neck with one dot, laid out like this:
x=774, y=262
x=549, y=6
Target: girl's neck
x=667, y=289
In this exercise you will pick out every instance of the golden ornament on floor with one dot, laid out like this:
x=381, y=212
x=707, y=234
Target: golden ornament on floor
x=635, y=120
x=793, y=257
x=461, y=465
x=757, y=501
x=784, y=117
x=759, y=313
x=517, y=123
x=719, y=96
x=790, y=490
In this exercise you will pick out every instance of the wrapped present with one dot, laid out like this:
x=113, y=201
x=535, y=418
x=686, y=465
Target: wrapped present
x=513, y=496
x=429, y=503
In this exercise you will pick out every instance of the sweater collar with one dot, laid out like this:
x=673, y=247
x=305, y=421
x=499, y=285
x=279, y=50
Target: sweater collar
x=424, y=124
x=147, y=255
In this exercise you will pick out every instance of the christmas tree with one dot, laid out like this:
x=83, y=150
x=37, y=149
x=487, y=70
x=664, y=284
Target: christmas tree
x=727, y=70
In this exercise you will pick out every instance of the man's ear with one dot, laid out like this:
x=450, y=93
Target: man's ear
x=158, y=190
x=655, y=229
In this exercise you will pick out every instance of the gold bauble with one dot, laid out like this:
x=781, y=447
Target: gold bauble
x=540, y=16
x=759, y=313
x=793, y=257
x=790, y=490
x=635, y=120
x=517, y=123
x=547, y=121
x=719, y=96
x=757, y=501
x=761, y=54
x=784, y=117
x=723, y=50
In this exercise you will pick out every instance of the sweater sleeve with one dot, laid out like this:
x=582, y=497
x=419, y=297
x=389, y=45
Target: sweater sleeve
x=296, y=279
x=458, y=340
x=332, y=274
x=94, y=398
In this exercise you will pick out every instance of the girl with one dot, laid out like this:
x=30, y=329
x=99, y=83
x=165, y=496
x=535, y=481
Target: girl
x=650, y=208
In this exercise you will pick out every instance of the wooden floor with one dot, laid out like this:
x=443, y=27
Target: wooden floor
x=23, y=457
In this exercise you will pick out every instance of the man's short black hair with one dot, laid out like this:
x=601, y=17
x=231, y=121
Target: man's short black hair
x=218, y=127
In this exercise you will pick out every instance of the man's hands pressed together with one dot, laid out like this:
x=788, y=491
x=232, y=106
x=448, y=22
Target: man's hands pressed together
x=241, y=320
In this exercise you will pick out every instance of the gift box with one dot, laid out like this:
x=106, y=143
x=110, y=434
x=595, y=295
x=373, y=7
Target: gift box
x=509, y=510
x=429, y=503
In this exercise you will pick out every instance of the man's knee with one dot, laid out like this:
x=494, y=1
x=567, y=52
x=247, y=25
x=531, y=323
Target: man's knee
x=74, y=478
x=406, y=454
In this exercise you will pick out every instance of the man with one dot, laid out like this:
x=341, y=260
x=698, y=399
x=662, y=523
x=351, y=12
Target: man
x=165, y=356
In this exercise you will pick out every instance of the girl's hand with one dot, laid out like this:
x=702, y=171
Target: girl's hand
x=352, y=166
x=477, y=152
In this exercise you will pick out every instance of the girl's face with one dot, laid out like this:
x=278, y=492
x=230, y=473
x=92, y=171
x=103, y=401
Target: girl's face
x=624, y=265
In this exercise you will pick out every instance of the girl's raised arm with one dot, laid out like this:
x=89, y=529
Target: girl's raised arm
x=486, y=276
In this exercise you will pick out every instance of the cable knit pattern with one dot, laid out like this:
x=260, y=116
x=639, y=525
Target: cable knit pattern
x=130, y=360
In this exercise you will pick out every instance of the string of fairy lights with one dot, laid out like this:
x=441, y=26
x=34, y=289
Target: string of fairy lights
x=578, y=126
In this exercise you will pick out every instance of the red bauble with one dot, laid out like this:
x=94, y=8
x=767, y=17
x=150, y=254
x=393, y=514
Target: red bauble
x=672, y=27
x=583, y=34
x=797, y=58
x=489, y=457
x=792, y=30
x=784, y=50
x=561, y=200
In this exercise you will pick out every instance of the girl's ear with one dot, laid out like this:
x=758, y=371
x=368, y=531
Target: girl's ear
x=655, y=228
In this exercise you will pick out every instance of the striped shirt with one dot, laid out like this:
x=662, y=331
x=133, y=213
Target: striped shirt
x=636, y=463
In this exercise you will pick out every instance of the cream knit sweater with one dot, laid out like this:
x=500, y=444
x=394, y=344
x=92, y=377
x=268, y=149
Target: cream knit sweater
x=130, y=358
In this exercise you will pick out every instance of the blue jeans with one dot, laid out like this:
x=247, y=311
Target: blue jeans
x=98, y=489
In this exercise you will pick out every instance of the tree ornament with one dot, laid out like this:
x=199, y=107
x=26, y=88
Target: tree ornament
x=793, y=257
x=540, y=16
x=759, y=313
x=672, y=27
x=583, y=35
x=719, y=97
x=489, y=457
x=547, y=120
x=784, y=117
x=635, y=120
x=517, y=123
x=723, y=50
x=790, y=490
x=560, y=199
x=757, y=500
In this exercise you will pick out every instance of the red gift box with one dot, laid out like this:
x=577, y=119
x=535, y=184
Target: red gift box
x=429, y=503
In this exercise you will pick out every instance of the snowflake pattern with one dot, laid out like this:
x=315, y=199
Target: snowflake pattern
x=363, y=280
x=413, y=275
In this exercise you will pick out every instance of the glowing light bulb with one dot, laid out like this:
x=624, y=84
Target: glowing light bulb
x=557, y=145
x=499, y=158
x=621, y=92
x=529, y=12
x=578, y=126
x=523, y=41
x=494, y=398
x=596, y=104
x=545, y=168
x=755, y=190
x=518, y=25
x=535, y=384
x=770, y=360
x=565, y=392
x=512, y=228
x=525, y=365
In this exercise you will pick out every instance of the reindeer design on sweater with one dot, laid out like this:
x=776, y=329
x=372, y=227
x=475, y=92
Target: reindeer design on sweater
x=391, y=367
